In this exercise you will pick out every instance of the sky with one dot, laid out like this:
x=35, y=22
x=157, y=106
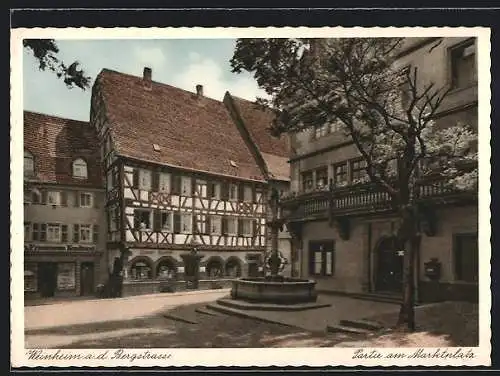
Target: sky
x=182, y=63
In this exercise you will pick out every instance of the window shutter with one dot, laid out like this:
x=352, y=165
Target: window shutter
x=64, y=233
x=44, y=197
x=77, y=199
x=210, y=189
x=177, y=222
x=208, y=224
x=135, y=179
x=64, y=199
x=156, y=181
x=224, y=191
x=34, y=232
x=156, y=220
x=76, y=233
x=95, y=233
x=241, y=191
x=224, y=225
x=43, y=232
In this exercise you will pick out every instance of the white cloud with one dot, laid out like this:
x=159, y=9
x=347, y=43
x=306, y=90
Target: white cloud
x=149, y=56
x=209, y=74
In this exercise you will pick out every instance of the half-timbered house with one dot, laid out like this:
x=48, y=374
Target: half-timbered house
x=271, y=153
x=185, y=198
x=346, y=235
x=64, y=239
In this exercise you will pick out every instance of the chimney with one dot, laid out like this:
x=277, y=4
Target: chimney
x=146, y=76
x=199, y=90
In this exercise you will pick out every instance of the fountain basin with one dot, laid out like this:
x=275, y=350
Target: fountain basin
x=265, y=290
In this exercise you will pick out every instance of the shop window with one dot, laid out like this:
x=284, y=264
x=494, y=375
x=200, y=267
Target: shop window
x=30, y=277
x=466, y=257
x=140, y=270
x=233, y=268
x=66, y=276
x=214, y=269
x=166, y=270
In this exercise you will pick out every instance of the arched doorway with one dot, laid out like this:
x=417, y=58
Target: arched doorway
x=233, y=267
x=215, y=268
x=389, y=265
x=141, y=269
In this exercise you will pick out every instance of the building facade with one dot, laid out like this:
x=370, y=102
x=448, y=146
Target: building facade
x=346, y=236
x=64, y=238
x=185, y=198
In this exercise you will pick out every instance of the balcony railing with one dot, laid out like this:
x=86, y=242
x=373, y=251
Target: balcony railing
x=362, y=198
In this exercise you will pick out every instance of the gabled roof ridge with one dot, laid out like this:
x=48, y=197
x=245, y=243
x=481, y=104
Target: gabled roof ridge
x=55, y=117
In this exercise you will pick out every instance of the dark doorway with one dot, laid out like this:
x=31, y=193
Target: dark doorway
x=47, y=279
x=389, y=273
x=86, y=278
x=191, y=269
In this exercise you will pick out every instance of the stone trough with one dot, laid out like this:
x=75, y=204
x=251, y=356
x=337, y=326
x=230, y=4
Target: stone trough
x=278, y=290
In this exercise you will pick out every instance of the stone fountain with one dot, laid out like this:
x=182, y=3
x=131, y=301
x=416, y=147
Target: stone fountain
x=274, y=288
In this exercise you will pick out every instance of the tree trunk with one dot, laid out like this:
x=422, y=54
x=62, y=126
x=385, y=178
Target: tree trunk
x=409, y=240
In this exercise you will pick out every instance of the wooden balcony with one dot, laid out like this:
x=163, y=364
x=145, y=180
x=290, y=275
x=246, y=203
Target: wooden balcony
x=364, y=199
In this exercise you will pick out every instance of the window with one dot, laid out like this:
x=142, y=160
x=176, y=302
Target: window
x=186, y=223
x=246, y=227
x=201, y=188
x=79, y=169
x=233, y=192
x=113, y=218
x=247, y=194
x=166, y=270
x=53, y=232
x=140, y=270
x=340, y=173
x=142, y=219
x=214, y=190
x=53, y=198
x=307, y=181
x=85, y=234
x=214, y=269
x=86, y=200
x=215, y=224
x=29, y=164
x=322, y=177
x=321, y=258
x=233, y=268
x=358, y=170
x=335, y=127
x=185, y=186
x=27, y=232
x=164, y=182
x=466, y=257
x=144, y=179
x=463, y=65
x=321, y=131
x=232, y=226
x=166, y=221
x=201, y=223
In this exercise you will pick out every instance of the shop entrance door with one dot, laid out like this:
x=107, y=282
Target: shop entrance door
x=86, y=278
x=47, y=279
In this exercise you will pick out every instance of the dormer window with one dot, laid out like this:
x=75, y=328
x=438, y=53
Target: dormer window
x=29, y=164
x=79, y=169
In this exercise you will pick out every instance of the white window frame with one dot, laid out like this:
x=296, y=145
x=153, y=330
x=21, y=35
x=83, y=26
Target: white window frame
x=201, y=189
x=55, y=194
x=235, y=222
x=29, y=170
x=145, y=179
x=91, y=200
x=170, y=221
x=150, y=218
x=164, y=182
x=53, y=226
x=80, y=169
x=88, y=229
x=186, y=185
x=186, y=219
x=216, y=219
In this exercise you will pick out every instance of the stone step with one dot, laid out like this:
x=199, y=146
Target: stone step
x=172, y=316
x=346, y=329
x=241, y=313
x=362, y=324
x=244, y=305
x=207, y=311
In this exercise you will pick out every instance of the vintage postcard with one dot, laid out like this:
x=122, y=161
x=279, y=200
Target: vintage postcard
x=250, y=197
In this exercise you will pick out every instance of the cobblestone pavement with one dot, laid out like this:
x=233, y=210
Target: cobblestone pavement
x=145, y=326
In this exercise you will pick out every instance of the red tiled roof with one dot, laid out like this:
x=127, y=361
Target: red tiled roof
x=192, y=132
x=275, y=151
x=55, y=143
